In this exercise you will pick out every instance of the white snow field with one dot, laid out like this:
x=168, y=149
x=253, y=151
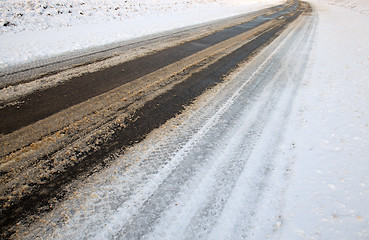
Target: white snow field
x=32, y=30
x=279, y=151
x=327, y=137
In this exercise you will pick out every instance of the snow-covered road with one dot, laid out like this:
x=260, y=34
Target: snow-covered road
x=210, y=173
x=277, y=151
x=66, y=131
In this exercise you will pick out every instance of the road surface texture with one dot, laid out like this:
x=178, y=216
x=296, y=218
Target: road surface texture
x=174, y=141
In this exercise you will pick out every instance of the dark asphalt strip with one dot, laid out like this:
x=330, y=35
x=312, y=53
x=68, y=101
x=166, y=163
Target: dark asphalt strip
x=152, y=115
x=42, y=104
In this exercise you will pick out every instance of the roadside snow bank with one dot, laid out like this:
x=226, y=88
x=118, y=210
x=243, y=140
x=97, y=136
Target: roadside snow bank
x=328, y=135
x=36, y=29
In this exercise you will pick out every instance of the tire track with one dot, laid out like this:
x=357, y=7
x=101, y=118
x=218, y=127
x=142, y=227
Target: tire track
x=109, y=132
x=194, y=175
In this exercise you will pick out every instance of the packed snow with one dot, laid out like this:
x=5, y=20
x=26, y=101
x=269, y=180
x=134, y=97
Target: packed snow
x=32, y=30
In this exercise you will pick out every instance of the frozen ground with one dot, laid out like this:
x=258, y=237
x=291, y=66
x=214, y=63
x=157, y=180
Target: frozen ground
x=31, y=30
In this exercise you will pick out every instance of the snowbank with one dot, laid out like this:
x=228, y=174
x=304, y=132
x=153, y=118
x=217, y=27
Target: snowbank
x=36, y=29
